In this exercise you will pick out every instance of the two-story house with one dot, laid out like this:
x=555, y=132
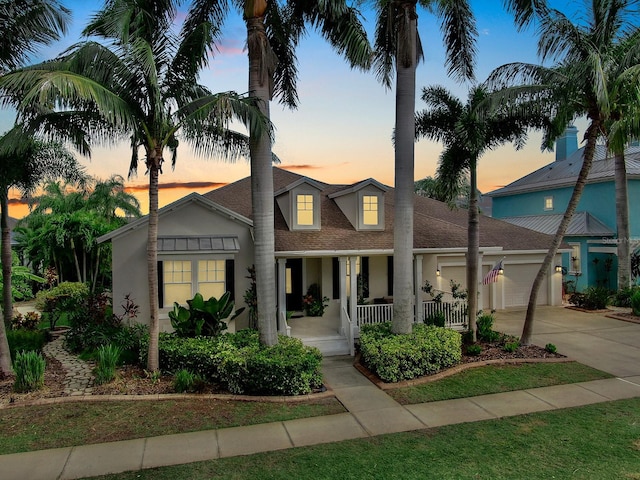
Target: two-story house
x=538, y=201
x=328, y=235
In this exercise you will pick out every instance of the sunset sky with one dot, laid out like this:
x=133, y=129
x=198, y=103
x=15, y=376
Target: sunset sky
x=341, y=133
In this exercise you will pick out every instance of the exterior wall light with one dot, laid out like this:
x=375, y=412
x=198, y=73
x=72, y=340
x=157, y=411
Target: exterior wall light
x=558, y=268
x=438, y=272
x=501, y=271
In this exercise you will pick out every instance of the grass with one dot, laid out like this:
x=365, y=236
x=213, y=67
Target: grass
x=497, y=379
x=599, y=441
x=66, y=424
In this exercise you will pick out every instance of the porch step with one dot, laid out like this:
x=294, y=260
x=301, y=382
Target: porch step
x=329, y=346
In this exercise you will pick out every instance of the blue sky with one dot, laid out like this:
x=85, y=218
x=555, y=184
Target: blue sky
x=341, y=133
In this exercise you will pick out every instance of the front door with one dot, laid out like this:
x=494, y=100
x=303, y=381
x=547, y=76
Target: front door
x=293, y=284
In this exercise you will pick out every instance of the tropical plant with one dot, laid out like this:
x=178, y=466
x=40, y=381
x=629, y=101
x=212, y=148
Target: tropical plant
x=29, y=371
x=108, y=358
x=274, y=29
x=203, y=317
x=142, y=86
x=313, y=302
x=397, y=45
x=25, y=27
x=586, y=61
x=467, y=132
x=432, y=188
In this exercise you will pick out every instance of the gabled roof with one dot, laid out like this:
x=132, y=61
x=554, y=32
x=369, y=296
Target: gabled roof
x=435, y=224
x=182, y=202
x=565, y=172
x=359, y=186
x=300, y=181
x=582, y=224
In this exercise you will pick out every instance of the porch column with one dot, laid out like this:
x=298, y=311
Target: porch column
x=353, y=297
x=419, y=316
x=481, y=287
x=282, y=295
x=342, y=264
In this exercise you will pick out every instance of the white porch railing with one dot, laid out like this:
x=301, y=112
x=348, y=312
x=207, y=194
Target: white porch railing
x=348, y=330
x=454, y=314
x=283, y=326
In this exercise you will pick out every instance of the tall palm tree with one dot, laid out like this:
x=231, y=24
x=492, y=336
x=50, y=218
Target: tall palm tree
x=25, y=162
x=467, y=132
x=585, y=58
x=397, y=50
x=143, y=85
x=25, y=27
x=274, y=29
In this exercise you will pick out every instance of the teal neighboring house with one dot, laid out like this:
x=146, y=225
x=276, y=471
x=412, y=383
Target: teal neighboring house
x=538, y=201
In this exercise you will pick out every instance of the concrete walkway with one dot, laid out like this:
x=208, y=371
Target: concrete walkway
x=610, y=345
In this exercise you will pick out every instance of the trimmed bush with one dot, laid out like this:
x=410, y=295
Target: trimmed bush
x=29, y=368
x=438, y=319
x=551, y=348
x=635, y=303
x=474, y=349
x=243, y=366
x=427, y=350
x=25, y=340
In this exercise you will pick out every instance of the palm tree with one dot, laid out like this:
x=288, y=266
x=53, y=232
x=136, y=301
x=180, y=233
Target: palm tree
x=274, y=29
x=142, y=86
x=25, y=162
x=467, y=132
x=585, y=62
x=397, y=45
x=25, y=27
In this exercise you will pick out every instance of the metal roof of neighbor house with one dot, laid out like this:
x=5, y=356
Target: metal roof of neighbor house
x=211, y=243
x=435, y=224
x=582, y=224
x=565, y=172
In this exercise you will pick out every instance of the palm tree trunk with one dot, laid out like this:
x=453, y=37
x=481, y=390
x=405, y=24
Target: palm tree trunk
x=94, y=280
x=7, y=300
x=589, y=152
x=262, y=201
x=403, y=314
x=154, y=164
x=473, y=249
x=622, y=222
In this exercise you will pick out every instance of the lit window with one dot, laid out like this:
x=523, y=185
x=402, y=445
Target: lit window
x=370, y=210
x=548, y=203
x=288, y=282
x=576, y=262
x=211, y=278
x=305, y=209
x=177, y=281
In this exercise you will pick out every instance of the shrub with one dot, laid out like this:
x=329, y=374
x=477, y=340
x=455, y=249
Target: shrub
x=186, y=382
x=511, y=346
x=484, y=324
x=474, y=350
x=551, y=348
x=313, y=302
x=428, y=349
x=622, y=298
x=438, y=319
x=593, y=298
x=25, y=340
x=67, y=297
x=635, y=303
x=108, y=358
x=241, y=364
x=30, y=321
x=29, y=368
x=203, y=317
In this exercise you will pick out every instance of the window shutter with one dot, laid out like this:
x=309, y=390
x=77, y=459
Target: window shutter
x=390, y=276
x=364, y=272
x=230, y=277
x=336, y=277
x=160, y=285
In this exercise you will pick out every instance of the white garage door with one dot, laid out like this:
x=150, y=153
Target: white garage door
x=459, y=275
x=517, y=285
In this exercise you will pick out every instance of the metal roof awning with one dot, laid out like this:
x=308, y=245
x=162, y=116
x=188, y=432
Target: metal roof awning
x=581, y=224
x=198, y=244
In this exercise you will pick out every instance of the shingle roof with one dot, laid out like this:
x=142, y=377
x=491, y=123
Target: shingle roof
x=582, y=224
x=435, y=224
x=564, y=173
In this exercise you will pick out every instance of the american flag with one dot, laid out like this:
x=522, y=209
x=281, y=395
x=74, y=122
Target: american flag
x=492, y=275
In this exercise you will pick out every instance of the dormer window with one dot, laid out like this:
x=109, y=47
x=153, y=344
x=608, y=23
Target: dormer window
x=370, y=210
x=548, y=203
x=304, y=209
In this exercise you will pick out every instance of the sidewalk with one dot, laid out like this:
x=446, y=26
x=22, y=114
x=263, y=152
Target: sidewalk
x=370, y=411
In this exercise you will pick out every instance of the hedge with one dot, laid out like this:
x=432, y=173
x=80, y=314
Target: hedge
x=427, y=350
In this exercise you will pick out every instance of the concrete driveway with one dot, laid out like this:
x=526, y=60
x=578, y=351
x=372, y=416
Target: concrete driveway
x=590, y=338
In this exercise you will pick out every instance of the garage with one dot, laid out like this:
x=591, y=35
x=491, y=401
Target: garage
x=518, y=279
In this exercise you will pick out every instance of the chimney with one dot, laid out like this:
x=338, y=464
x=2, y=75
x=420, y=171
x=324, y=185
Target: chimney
x=567, y=143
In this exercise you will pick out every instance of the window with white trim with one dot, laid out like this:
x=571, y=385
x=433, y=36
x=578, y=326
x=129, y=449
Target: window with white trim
x=182, y=279
x=304, y=209
x=370, y=210
x=548, y=203
x=211, y=278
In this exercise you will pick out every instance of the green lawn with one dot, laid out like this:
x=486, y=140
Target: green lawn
x=599, y=441
x=496, y=379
